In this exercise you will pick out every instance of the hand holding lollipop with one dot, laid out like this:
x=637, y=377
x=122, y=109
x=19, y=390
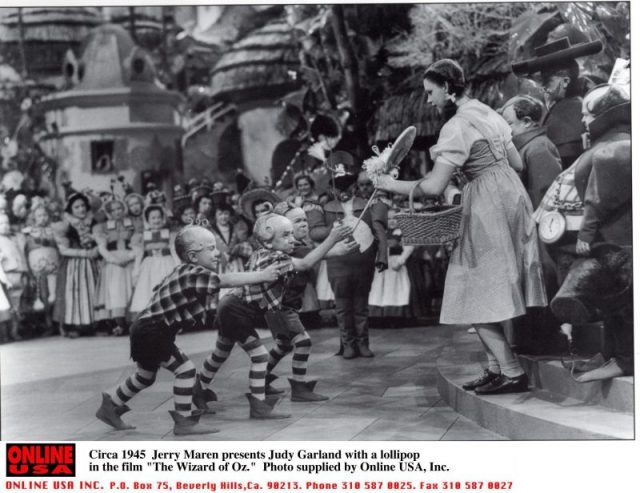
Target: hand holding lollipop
x=384, y=165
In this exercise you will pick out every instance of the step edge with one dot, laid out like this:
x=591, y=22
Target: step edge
x=594, y=433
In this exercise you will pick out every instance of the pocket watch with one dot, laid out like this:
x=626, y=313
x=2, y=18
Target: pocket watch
x=551, y=227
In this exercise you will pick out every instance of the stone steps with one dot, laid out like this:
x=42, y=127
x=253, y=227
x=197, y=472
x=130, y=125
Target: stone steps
x=551, y=375
x=557, y=407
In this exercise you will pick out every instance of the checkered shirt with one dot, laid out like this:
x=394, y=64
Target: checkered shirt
x=185, y=295
x=268, y=296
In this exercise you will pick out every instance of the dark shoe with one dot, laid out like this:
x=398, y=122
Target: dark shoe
x=189, y=425
x=268, y=389
x=505, y=385
x=202, y=396
x=110, y=414
x=483, y=379
x=348, y=352
x=303, y=392
x=264, y=409
x=363, y=349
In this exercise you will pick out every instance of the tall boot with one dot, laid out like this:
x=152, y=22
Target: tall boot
x=189, y=425
x=361, y=324
x=4, y=332
x=303, y=391
x=268, y=388
x=202, y=396
x=264, y=409
x=15, y=329
x=344, y=315
x=110, y=414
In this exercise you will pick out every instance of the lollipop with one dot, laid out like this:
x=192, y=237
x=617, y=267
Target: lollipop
x=387, y=161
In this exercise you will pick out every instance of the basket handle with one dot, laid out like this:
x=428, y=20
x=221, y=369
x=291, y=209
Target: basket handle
x=413, y=189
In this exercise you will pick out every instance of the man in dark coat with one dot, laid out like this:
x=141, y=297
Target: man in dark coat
x=540, y=156
x=556, y=62
x=603, y=182
x=538, y=331
x=351, y=275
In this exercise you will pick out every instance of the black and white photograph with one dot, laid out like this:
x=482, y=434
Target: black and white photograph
x=388, y=222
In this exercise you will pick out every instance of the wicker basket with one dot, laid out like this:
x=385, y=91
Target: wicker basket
x=433, y=226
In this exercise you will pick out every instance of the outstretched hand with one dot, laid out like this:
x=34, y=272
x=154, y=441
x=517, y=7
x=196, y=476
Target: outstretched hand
x=340, y=232
x=345, y=246
x=271, y=273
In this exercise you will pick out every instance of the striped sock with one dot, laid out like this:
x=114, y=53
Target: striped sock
x=140, y=380
x=259, y=358
x=281, y=349
x=185, y=377
x=215, y=360
x=301, y=352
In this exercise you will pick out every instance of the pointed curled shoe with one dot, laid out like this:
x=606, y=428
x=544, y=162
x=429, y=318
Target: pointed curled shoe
x=303, y=392
x=486, y=377
x=504, y=385
x=268, y=388
x=110, y=414
x=189, y=425
x=264, y=409
x=611, y=369
x=202, y=396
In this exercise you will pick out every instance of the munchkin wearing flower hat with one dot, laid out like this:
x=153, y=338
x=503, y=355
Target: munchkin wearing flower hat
x=351, y=275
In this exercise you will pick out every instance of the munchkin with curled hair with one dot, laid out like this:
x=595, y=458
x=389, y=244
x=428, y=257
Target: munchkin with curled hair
x=238, y=310
x=182, y=298
x=287, y=329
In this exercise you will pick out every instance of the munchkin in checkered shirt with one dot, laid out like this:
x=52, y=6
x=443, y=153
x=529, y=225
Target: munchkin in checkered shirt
x=183, y=297
x=238, y=310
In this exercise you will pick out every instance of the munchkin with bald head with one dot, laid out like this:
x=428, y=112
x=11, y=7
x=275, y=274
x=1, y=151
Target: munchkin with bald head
x=182, y=298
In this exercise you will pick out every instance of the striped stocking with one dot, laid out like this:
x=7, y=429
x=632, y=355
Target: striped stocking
x=185, y=377
x=281, y=349
x=215, y=360
x=301, y=352
x=140, y=380
x=259, y=358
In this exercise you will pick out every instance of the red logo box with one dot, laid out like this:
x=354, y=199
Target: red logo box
x=41, y=459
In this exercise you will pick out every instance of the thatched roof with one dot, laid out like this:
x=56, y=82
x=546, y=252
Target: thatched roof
x=261, y=61
x=51, y=24
x=403, y=110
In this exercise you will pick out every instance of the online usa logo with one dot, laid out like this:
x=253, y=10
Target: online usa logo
x=41, y=459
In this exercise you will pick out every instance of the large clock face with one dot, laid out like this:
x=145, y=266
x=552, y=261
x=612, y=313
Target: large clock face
x=551, y=227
